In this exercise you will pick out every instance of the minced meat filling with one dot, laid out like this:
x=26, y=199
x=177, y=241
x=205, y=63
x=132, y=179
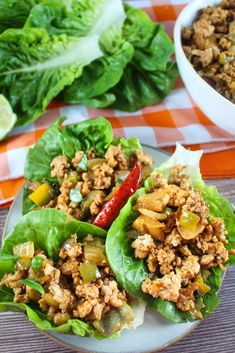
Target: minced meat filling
x=209, y=44
x=179, y=240
x=81, y=285
x=92, y=180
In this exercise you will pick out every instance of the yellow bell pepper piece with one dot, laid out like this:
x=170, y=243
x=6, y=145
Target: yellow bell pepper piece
x=88, y=272
x=189, y=220
x=203, y=287
x=25, y=250
x=42, y=195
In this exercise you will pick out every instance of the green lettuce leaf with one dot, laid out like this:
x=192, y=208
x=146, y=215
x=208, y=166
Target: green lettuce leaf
x=67, y=141
x=81, y=19
x=139, y=88
x=56, y=141
x=144, y=76
x=131, y=272
x=78, y=327
x=48, y=229
x=98, y=77
x=187, y=158
x=76, y=18
x=50, y=52
x=33, y=284
x=150, y=75
x=221, y=207
x=13, y=13
x=35, y=67
x=128, y=145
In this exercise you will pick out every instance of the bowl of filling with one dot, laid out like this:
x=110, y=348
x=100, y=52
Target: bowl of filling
x=204, y=38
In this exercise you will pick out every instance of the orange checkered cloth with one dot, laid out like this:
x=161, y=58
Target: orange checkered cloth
x=177, y=118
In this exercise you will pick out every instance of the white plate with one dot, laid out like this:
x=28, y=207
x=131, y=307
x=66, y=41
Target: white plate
x=154, y=334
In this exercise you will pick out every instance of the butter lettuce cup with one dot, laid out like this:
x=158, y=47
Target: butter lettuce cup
x=79, y=168
x=173, y=240
x=55, y=269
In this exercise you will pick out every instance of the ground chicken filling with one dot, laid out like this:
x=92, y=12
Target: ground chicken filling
x=179, y=240
x=80, y=285
x=87, y=181
x=209, y=44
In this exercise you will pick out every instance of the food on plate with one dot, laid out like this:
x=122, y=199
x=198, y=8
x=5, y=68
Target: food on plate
x=57, y=271
x=81, y=54
x=209, y=44
x=173, y=239
x=82, y=170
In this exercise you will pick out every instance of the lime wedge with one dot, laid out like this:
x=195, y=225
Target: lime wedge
x=7, y=117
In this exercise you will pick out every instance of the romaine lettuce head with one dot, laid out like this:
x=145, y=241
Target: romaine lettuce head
x=49, y=229
x=57, y=41
x=131, y=272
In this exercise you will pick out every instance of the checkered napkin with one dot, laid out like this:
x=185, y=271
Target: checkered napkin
x=177, y=118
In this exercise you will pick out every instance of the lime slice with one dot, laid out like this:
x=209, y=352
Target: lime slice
x=7, y=117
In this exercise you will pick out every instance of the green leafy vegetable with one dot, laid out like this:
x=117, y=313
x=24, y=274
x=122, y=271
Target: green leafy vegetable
x=35, y=67
x=148, y=74
x=105, y=72
x=78, y=327
x=33, y=284
x=7, y=263
x=128, y=145
x=67, y=141
x=48, y=229
x=83, y=52
x=131, y=272
x=49, y=53
x=102, y=74
x=13, y=13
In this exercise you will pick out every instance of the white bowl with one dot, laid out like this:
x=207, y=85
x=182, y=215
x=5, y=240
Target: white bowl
x=218, y=109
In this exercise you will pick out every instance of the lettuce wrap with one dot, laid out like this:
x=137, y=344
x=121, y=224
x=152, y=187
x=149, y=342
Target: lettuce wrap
x=131, y=272
x=49, y=230
x=79, y=167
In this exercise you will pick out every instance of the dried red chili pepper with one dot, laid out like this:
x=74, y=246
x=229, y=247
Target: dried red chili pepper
x=112, y=208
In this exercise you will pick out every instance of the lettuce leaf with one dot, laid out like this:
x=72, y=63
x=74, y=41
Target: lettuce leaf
x=50, y=52
x=13, y=13
x=78, y=327
x=131, y=272
x=101, y=75
x=76, y=18
x=67, y=141
x=48, y=229
x=56, y=141
x=35, y=67
x=148, y=74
